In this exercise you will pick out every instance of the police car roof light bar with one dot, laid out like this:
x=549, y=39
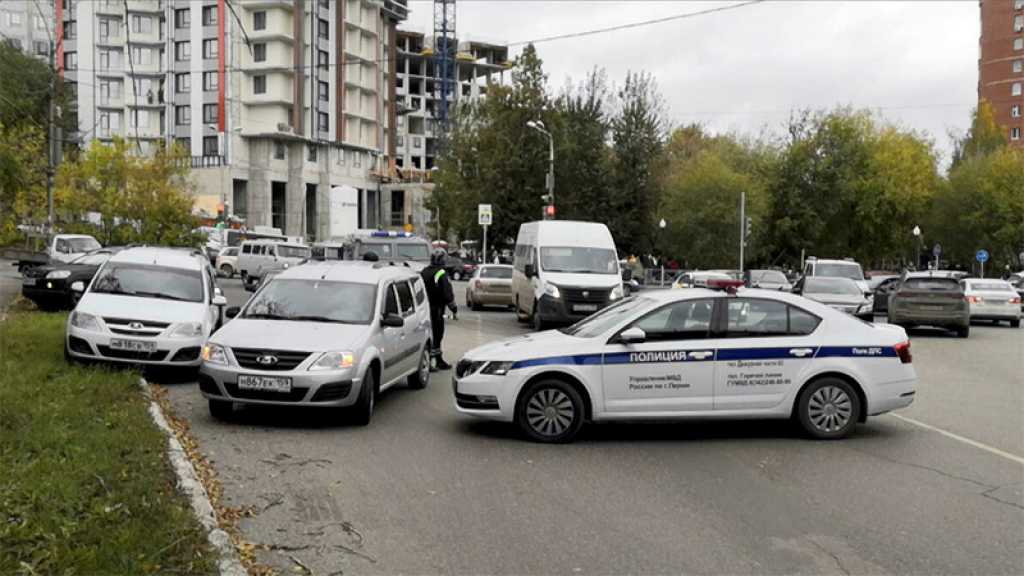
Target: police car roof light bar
x=730, y=286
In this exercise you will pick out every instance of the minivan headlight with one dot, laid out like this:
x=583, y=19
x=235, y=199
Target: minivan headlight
x=552, y=290
x=215, y=354
x=339, y=360
x=85, y=321
x=58, y=274
x=497, y=368
x=616, y=293
x=187, y=330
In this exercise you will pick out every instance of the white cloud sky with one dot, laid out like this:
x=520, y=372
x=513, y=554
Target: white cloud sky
x=743, y=70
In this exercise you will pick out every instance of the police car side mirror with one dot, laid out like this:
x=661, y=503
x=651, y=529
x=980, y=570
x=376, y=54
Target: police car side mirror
x=392, y=321
x=633, y=336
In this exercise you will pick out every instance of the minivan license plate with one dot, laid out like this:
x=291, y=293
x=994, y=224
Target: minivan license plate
x=584, y=307
x=268, y=383
x=132, y=345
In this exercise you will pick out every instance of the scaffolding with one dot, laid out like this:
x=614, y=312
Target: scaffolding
x=445, y=47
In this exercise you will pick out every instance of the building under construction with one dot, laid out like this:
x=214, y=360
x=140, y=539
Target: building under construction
x=418, y=105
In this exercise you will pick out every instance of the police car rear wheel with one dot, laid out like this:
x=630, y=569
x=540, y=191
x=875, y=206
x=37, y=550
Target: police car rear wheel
x=550, y=411
x=829, y=408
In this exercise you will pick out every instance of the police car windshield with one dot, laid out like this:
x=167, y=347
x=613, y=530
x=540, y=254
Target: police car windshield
x=578, y=260
x=815, y=285
x=604, y=320
x=313, y=301
x=839, y=270
x=413, y=251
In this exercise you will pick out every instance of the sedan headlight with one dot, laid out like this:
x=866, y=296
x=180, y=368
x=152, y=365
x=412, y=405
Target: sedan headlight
x=215, y=354
x=552, y=290
x=58, y=274
x=616, y=293
x=187, y=330
x=497, y=368
x=85, y=321
x=334, y=361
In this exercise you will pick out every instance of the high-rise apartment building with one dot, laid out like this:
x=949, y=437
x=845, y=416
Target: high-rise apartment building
x=479, y=64
x=1001, y=65
x=277, y=101
x=27, y=25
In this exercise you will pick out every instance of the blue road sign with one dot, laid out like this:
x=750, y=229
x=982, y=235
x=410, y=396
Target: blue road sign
x=982, y=256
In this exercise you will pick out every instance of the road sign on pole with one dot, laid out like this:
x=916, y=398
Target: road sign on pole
x=936, y=252
x=982, y=257
x=484, y=214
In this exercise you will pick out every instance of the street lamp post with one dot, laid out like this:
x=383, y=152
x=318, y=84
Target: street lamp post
x=539, y=126
x=661, y=257
x=917, y=234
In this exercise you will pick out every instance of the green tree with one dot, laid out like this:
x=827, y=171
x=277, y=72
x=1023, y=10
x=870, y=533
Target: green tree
x=983, y=137
x=22, y=178
x=582, y=157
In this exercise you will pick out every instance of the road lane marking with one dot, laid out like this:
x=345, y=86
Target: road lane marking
x=968, y=441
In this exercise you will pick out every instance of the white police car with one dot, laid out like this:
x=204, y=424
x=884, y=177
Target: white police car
x=695, y=353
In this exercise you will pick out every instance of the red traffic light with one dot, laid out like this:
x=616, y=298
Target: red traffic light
x=549, y=211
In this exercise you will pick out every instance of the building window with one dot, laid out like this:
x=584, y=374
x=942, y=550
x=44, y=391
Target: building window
x=1015, y=89
x=417, y=142
x=185, y=143
x=324, y=59
x=14, y=19
x=209, y=145
x=324, y=29
x=259, y=20
x=357, y=159
x=42, y=49
x=400, y=141
x=182, y=51
x=259, y=84
x=259, y=52
x=142, y=24
x=1014, y=134
x=109, y=28
x=1015, y=111
x=1018, y=43
x=1018, y=4
x=1018, y=23
x=70, y=30
x=209, y=113
x=210, y=81
x=182, y=115
x=71, y=61
x=182, y=18
x=323, y=122
x=209, y=15
x=210, y=48
x=1018, y=66
x=183, y=83
x=325, y=91
x=39, y=23
x=279, y=150
x=311, y=153
x=341, y=156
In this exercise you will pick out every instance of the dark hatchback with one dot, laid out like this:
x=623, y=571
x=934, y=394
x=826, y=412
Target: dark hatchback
x=926, y=300
x=49, y=286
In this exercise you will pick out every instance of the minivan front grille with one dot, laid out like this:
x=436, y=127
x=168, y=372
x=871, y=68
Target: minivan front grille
x=592, y=295
x=283, y=359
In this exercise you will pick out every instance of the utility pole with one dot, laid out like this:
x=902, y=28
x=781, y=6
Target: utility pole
x=549, y=198
x=54, y=137
x=743, y=226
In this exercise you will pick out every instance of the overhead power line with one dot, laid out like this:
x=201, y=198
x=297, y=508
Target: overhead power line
x=636, y=24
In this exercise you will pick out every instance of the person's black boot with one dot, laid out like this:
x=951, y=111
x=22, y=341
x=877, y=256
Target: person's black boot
x=441, y=365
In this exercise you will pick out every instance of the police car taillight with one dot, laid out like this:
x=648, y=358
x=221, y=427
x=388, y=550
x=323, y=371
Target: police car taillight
x=729, y=286
x=903, y=351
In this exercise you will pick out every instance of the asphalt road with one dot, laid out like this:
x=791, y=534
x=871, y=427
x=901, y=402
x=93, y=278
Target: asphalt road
x=423, y=490
x=10, y=283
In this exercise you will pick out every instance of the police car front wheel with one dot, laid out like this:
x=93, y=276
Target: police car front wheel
x=829, y=408
x=550, y=411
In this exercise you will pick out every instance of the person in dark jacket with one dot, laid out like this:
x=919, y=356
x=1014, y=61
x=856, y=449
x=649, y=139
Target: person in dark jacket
x=440, y=296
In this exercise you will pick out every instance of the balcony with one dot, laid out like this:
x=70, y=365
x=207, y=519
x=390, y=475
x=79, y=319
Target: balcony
x=206, y=161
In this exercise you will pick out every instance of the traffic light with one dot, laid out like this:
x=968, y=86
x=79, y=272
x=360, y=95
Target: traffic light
x=549, y=212
x=546, y=198
x=748, y=228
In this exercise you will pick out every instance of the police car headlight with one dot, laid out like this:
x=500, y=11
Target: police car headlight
x=497, y=368
x=616, y=293
x=187, y=330
x=334, y=361
x=552, y=290
x=215, y=354
x=58, y=274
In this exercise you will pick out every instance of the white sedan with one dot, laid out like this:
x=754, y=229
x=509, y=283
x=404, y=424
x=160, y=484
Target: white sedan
x=693, y=353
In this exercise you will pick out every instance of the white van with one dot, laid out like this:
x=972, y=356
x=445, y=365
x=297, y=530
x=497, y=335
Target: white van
x=564, y=271
x=257, y=257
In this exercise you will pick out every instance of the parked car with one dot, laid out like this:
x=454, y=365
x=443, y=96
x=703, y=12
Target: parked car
x=150, y=306
x=257, y=257
x=459, y=268
x=1018, y=285
x=50, y=286
x=326, y=334
x=842, y=294
x=991, y=299
x=227, y=262
x=769, y=280
x=698, y=278
x=882, y=287
x=404, y=247
x=924, y=299
x=490, y=285
x=59, y=248
x=846, y=268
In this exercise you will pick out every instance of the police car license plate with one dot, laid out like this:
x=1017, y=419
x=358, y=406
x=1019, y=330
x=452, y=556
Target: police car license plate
x=132, y=345
x=584, y=307
x=268, y=383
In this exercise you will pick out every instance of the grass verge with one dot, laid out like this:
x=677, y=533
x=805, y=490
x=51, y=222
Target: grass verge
x=85, y=486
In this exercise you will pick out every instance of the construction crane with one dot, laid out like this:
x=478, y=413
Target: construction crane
x=445, y=46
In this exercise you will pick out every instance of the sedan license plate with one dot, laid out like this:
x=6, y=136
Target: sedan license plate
x=584, y=307
x=28, y=281
x=133, y=345
x=932, y=308
x=268, y=383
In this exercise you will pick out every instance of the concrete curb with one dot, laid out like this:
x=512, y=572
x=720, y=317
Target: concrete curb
x=189, y=483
